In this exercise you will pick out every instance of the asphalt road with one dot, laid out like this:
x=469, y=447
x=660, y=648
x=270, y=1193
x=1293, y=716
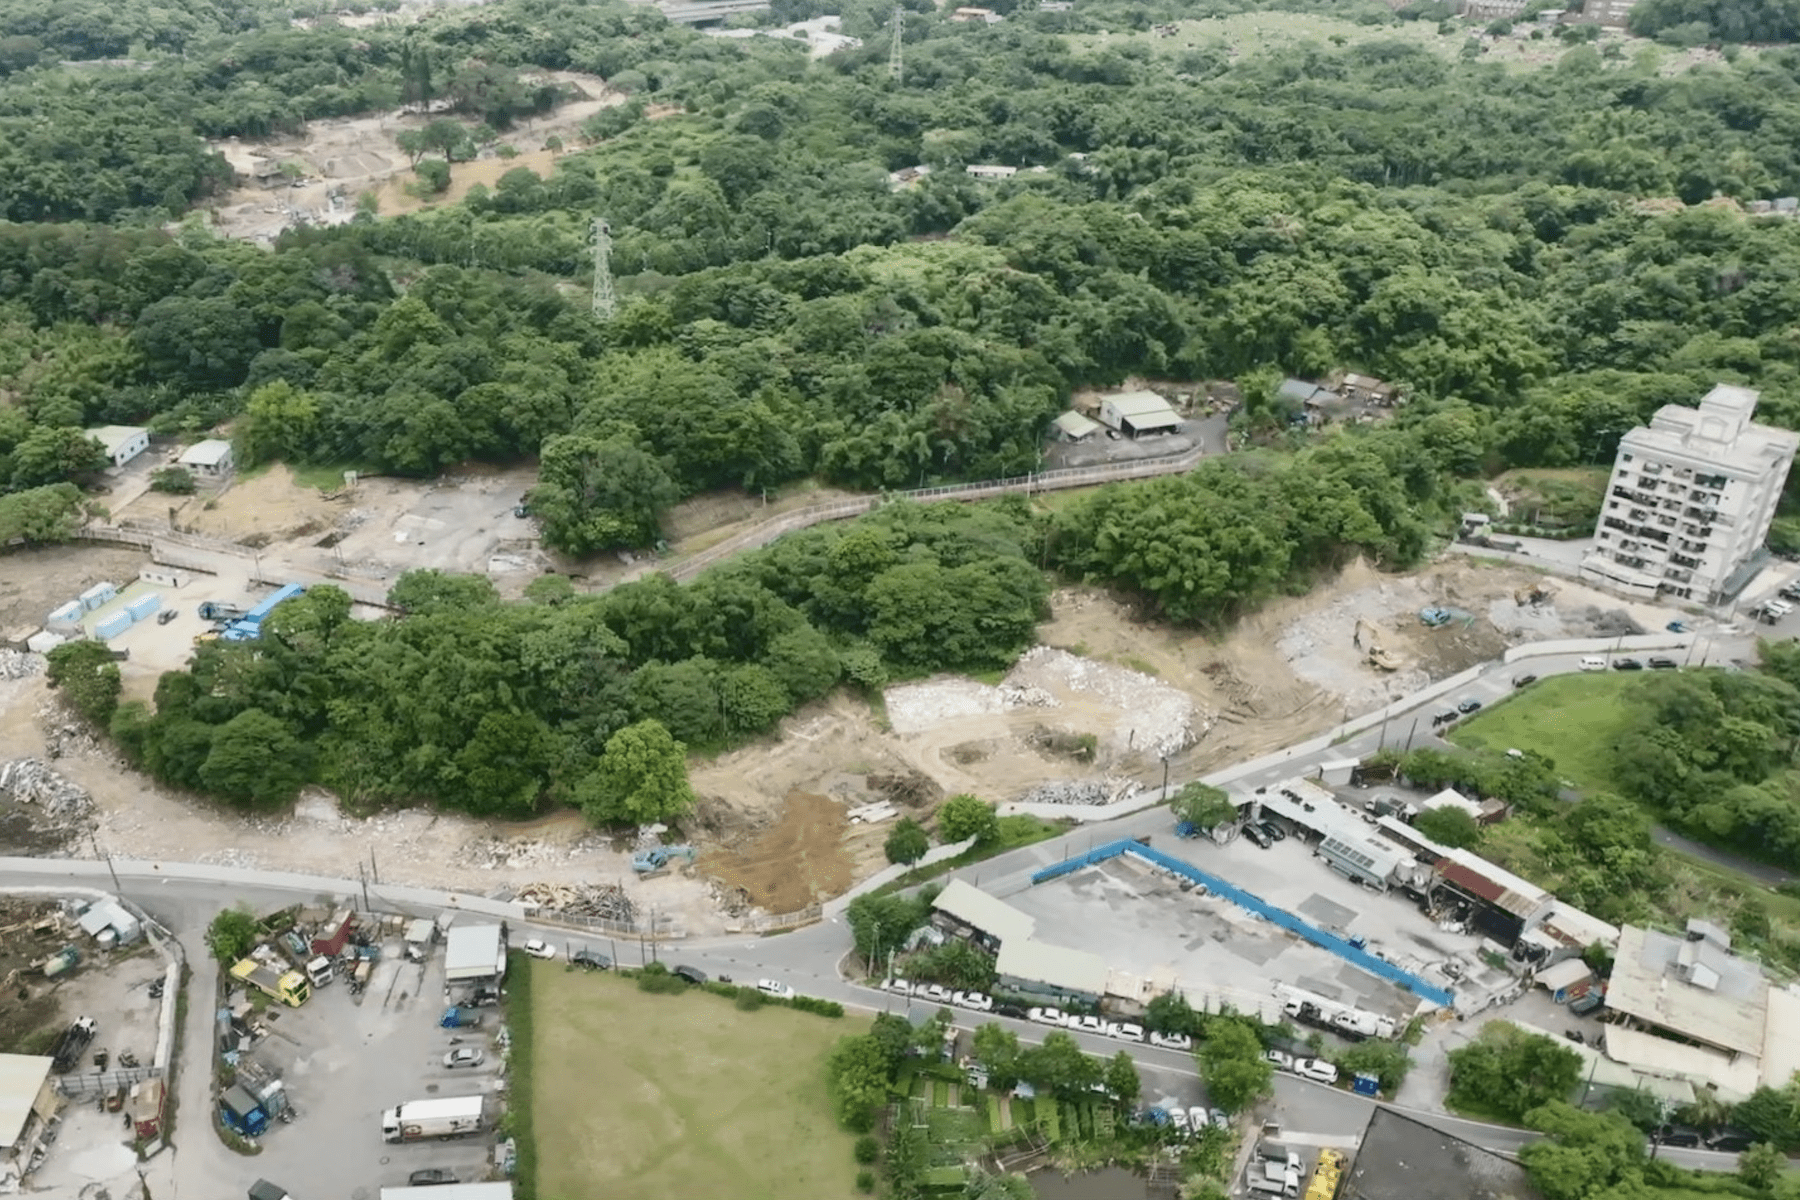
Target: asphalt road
x=185, y=897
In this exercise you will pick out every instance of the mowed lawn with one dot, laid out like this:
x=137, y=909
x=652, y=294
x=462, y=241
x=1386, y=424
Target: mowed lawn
x=638, y=1095
x=1574, y=719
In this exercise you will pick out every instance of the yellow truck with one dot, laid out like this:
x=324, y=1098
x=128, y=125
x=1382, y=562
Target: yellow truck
x=289, y=987
x=1325, y=1178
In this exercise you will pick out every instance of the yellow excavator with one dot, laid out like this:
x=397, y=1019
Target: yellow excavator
x=1534, y=593
x=1368, y=640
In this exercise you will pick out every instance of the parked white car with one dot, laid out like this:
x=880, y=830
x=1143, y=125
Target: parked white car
x=1197, y=1119
x=539, y=948
x=975, y=1000
x=1317, y=1070
x=1125, y=1031
x=933, y=991
x=1048, y=1016
x=1172, y=1041
x=898, y=986
x=770, y=987
x=1220, y=1119
x=1087, y=1025
x=1178, y=1118
x=1281, y=1060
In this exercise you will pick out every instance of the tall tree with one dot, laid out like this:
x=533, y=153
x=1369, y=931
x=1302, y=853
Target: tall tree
x=641, y=778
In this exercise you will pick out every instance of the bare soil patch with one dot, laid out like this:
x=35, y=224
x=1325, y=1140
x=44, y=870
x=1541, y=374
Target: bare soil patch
x=35, y=580
x=394, y=197
x=797, y=861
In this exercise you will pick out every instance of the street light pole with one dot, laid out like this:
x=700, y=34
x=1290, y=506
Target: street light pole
x=1165, y=792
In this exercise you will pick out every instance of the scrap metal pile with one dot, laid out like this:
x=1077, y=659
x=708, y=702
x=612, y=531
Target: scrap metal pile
x=605, y=900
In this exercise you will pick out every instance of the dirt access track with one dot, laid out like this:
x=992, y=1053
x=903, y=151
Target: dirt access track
x=338, y=159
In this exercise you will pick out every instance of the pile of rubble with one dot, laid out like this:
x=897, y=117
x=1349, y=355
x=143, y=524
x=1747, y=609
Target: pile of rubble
x=17, y=664
x=1155, y=718
x=1105, y=791
x=499, y=853
x=31, y=781
x=606, y=900
x=65, y=734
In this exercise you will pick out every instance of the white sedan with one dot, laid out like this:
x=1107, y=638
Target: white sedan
x=1087, y=1025
x=539, y=948
x=1125, y=1031
x=1172, y=1041
x=1281, y=1060
x=934, y=991
x=1047, y=1016
x=771, y=987
x=1178, y=1118
x=975, y=1000
x=897, y=986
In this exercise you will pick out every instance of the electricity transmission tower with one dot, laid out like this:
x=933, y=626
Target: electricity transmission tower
x=606, y=303
x=895, y=67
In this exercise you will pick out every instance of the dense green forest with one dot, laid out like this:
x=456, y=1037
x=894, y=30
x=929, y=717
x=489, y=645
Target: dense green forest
x=1473, y=232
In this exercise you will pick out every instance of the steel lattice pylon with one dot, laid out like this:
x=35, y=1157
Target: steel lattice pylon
x=605, y=302
x=895, y=67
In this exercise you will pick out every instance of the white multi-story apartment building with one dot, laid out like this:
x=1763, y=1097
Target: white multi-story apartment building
x=1690, y=500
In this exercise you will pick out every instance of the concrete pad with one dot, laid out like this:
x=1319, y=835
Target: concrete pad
x=1140, y=920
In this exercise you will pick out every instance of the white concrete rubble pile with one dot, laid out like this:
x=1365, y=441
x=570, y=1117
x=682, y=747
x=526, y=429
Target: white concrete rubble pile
x=1155, y=718
x=606, y=900
x=17, y=664
x=493, y=854
x=31, y=781
x=1085, y=792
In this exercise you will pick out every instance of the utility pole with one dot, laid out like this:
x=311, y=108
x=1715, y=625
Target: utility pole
x=117, y=890
x=606, y=303
x=364, y=876
x=896, y=69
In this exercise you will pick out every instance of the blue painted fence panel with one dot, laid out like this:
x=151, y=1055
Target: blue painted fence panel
x=1256, y=904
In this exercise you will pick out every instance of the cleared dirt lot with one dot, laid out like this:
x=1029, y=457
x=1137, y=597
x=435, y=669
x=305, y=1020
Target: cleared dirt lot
x=701, y=1100
x=340, y=158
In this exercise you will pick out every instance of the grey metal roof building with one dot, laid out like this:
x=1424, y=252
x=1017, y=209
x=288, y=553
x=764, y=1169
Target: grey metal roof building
x=991, y=919
x=1028, y=965
x=1404, y=1159
x=1694, y=988
x=473, y=953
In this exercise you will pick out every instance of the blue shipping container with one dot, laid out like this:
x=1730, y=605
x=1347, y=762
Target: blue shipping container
x=113, y=626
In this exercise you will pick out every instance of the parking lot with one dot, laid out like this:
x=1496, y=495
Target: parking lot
x=1139, y=920
x=343, y=1062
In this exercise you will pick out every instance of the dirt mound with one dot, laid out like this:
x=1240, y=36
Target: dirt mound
x=796, y=862
x=911, y=789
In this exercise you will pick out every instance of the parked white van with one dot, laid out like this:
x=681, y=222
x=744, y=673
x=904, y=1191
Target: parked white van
x=1593, y=662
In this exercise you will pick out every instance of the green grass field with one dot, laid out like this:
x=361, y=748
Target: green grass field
x=1573, y=719
x=642, y=1095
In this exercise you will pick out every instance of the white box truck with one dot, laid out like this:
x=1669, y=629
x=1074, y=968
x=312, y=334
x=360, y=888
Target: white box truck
x=415, y=1120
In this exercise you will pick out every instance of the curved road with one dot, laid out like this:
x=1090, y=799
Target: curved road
x=184, y=897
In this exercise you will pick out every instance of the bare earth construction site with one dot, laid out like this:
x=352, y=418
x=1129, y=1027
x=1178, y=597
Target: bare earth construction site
x=1090, y=713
